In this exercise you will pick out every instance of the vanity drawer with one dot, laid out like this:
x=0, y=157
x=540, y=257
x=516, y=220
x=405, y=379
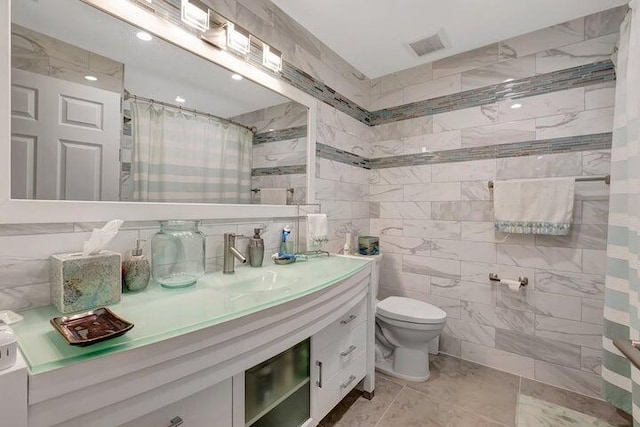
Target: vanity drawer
x=210, y=407
x=341, y=353
x=341, y=327
x=332, y=391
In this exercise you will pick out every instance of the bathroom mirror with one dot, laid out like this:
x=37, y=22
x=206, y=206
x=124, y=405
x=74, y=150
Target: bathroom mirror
x=103, y=110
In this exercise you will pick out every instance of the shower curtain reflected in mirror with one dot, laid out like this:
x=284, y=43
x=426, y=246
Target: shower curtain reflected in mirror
x=180, y=156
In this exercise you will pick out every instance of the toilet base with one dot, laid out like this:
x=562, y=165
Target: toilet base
x=386, y=367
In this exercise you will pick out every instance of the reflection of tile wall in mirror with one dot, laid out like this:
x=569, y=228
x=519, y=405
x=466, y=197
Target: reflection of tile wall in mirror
x=41, y=54
x=284, y=127
x=100, y=47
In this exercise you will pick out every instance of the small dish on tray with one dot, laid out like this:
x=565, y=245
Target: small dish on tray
x=90, y=327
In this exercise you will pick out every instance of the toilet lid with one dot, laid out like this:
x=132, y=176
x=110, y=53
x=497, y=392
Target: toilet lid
x=410, y=310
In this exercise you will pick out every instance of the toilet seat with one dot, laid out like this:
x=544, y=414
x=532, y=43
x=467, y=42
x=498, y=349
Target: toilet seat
x=410, y=310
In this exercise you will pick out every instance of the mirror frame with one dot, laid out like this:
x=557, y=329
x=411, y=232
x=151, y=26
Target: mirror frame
x=21, y=211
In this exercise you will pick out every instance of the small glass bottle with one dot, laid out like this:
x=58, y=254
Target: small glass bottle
x=136, y=270
x=178, y=254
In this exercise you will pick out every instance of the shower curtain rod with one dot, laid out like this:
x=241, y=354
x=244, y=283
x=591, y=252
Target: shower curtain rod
x=129, y=95
x=605, y=178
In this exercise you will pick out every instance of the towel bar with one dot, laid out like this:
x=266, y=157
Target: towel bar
x=605, y=178
x=257, y=190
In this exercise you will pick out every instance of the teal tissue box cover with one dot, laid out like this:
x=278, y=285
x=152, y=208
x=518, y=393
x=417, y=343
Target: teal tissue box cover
x=84, y=282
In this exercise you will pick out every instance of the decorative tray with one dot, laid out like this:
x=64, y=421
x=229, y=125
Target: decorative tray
x=90, y=327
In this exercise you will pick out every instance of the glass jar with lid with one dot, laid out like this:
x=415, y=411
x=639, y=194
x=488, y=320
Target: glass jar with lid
x=178, y=254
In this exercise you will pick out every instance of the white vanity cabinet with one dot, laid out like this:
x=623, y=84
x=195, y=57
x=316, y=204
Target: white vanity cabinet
x=338, y=359
x=197, y=377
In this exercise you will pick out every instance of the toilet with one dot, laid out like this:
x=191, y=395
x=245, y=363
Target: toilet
x=407, y=330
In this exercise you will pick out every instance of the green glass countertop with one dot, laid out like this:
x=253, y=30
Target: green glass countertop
x=159, y=314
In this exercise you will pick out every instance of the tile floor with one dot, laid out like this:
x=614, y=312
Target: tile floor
x=465, y=394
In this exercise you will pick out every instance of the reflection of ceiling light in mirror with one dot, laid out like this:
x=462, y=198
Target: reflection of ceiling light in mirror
x=194, y=16
x=236, y=76
x=91, y=78
x=180, y=100
x=514, y=106
x=271, y=58
x=237, y=39
x=144, y=36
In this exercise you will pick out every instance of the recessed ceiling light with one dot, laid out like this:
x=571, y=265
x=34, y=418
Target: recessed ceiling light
x=91, y=78
x=271, y=129
x=144, y=36
x=180, y=99
x=507, y=80
x=236, y=77
x=514, y=106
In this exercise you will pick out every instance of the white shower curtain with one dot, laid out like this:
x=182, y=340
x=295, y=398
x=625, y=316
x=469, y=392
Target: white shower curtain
x=185, y=157
x=621, y=384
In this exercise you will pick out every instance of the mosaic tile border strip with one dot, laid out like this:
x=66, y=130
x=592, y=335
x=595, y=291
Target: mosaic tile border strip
x=570, y=144
x=279, y=170
x=598, y=72
x=530, y=86
x=280, y=135
x=332, y=153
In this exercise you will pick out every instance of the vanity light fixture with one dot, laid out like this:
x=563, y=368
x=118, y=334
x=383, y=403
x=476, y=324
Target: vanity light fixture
x=271, y=58
x=237, y=38
x=180, y=100
x=236, y=77
x=515, y=106
x=144, y=36
x=195, y=17
x=91, y=78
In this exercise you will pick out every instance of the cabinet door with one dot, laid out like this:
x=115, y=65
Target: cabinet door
x=210, y=407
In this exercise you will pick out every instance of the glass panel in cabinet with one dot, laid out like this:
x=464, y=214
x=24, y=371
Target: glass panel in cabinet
x=275, y=382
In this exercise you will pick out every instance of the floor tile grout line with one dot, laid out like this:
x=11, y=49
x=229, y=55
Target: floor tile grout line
x=389, y=407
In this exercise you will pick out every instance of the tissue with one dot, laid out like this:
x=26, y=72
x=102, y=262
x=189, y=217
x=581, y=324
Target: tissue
x=90, y=279
x=101, y=237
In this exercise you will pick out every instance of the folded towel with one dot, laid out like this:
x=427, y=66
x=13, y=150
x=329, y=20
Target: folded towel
x=273, y=196
x=528, y=206
x=317, y=231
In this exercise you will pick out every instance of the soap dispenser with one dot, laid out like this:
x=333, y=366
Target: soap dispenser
x=137, y=270
x=256, y=249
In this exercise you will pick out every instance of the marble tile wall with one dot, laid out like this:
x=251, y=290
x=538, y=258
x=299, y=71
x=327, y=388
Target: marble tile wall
x=342, y=188
x=435, y=219
x=579, y=42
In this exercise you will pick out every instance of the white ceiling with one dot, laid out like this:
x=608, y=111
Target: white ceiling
x=373, y=35
x=154, y=69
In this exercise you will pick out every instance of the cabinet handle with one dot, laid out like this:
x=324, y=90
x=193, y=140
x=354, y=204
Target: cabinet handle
x=319, y=382
x=348, y=381
x=176, y=421
x=348, y=319
x=349, y=351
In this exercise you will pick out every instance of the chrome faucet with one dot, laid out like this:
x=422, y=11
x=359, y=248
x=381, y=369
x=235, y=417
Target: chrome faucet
x=230, y=252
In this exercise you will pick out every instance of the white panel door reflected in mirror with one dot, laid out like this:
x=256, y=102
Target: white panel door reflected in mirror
x=101, y=110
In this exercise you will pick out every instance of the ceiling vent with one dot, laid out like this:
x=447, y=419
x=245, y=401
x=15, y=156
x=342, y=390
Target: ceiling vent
x=430, y=44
